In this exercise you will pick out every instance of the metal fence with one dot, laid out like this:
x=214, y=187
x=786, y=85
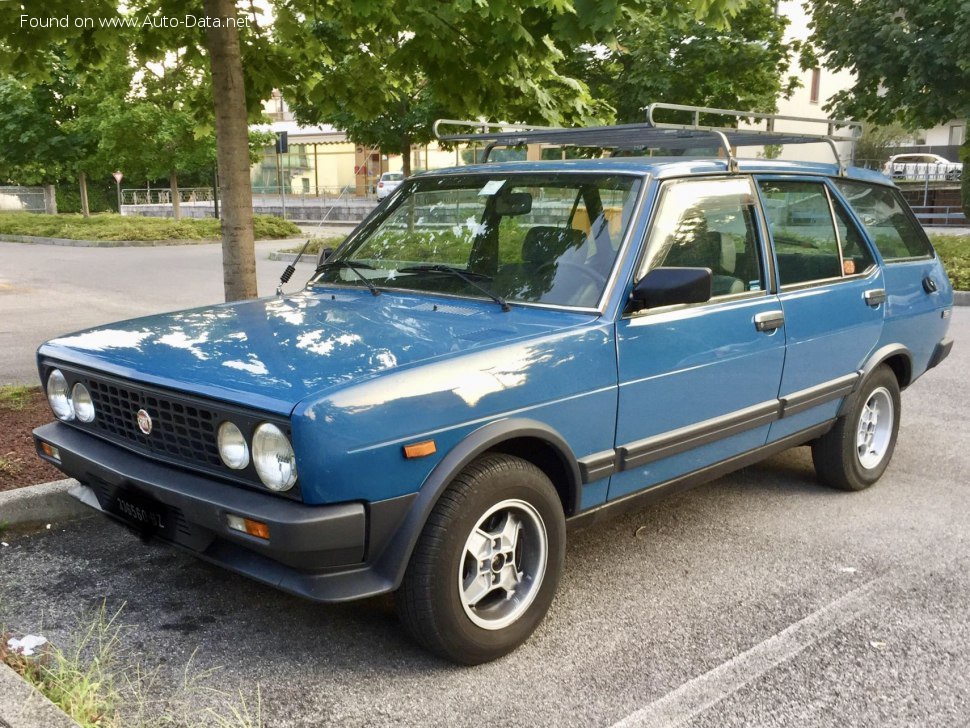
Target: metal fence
x=27, y=199
x=940, y=215
x=163, y=196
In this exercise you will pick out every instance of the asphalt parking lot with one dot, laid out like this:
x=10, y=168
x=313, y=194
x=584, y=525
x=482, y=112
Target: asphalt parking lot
x=761, y=599
x=48, y=290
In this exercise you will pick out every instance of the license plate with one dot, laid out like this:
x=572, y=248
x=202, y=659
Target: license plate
x=148, y=514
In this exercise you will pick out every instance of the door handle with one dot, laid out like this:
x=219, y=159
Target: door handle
x=929, y=285
x=875, y=296
x=769, y=320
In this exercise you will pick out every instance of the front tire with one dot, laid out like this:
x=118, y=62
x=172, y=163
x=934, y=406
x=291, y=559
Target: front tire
x=487, y=564
x=856, y=452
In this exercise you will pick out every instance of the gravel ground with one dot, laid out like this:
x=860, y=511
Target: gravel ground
x=760, y=599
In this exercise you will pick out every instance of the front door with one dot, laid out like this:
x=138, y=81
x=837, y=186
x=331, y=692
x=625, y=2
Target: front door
x=699, y=382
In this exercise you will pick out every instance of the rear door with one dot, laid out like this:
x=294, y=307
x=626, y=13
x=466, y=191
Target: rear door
x=916, y=285
x=699, y=382
x=831, y=292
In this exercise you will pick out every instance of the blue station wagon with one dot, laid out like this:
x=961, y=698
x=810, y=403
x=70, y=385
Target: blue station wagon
x=504, y=351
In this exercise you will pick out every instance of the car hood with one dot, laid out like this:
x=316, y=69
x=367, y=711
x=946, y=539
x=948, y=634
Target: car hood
x=271, y=353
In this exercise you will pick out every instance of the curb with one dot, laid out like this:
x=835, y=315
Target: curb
x=67, y=242
x=961, y=298
x=43, y=503
x=282, y=257
x=23, y=706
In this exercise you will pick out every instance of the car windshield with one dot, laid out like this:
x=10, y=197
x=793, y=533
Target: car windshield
x=528, y=238
x=392, y=176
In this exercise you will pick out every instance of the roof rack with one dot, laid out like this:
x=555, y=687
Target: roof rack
x=656, y=134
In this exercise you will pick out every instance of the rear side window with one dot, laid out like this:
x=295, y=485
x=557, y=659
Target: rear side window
x=800, y=221
x=883, y=214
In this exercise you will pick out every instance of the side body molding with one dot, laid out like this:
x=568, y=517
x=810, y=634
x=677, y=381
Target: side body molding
x=393, y=560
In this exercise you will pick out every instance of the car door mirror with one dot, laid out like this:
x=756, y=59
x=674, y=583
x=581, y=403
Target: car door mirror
x=324, y=254
x=669, y=286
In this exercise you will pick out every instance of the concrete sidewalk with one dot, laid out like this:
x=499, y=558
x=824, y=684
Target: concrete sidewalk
x=22, y=705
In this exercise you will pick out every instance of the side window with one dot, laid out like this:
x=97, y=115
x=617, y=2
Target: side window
x=856, y=257
x=802, y=231
x=708, y=224
x=883, y=214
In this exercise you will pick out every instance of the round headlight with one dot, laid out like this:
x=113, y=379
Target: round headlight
x=232, y=446
x=59, y=397
x=274, y=458
x=83, y=404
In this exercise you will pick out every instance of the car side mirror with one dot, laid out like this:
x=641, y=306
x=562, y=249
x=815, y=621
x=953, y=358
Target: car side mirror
x=324, y=254
x=669, y=286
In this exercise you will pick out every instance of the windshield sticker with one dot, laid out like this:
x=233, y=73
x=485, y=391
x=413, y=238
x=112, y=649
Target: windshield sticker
x=491, y=187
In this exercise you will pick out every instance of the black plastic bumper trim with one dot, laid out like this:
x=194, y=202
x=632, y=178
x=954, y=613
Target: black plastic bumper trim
x=317, y=552
x=940, y=352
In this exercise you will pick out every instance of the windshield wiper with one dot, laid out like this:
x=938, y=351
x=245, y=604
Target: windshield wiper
x=354, y=267
x=459, y=273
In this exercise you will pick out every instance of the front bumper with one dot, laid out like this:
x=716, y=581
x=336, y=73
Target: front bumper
x=318, y=552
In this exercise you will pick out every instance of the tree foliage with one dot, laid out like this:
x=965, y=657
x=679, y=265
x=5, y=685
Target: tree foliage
x=910, y=58
x=675, y=58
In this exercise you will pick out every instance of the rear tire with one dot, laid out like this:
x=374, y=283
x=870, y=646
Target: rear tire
x=487, y=564
x=856, y=451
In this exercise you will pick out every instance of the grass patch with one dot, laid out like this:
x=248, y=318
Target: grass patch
x=94, y=683
x=954, y=251
x=15, y=396
x=316, y=245
x=111, y=226
x=9, y=466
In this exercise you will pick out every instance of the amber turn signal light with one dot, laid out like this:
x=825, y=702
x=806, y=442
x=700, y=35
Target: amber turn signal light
x=248, y=525
x=420, y=449
x=50, y=451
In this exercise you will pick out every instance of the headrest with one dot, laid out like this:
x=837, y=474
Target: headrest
x=545, y=243
x=723, y=246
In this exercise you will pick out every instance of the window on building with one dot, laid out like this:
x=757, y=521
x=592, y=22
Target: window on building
x=816, y=82
x=958, y=134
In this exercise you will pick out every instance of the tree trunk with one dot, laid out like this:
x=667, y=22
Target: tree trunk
x=176, y=200
x=406, y=155
x=82, y=180
x=232, y=151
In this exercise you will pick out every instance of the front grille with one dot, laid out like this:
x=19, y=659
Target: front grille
x=184, y=430
x=179, y=430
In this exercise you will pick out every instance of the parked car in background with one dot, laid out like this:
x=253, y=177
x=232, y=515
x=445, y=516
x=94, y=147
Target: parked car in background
x=502, y=352
x=922, y=167
x=388, y=182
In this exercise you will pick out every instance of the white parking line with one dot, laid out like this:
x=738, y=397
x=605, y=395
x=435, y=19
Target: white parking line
x=697, y=695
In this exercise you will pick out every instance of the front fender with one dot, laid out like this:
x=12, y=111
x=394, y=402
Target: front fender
x=393, y=560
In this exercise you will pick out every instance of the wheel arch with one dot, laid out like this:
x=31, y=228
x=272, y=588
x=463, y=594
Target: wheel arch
x=529, y=439
x=896, y=356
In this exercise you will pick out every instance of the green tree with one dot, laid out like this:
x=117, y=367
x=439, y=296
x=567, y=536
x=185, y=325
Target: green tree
x=677, y=59
x=41, y=141
x=910, y=58
x=476, y=58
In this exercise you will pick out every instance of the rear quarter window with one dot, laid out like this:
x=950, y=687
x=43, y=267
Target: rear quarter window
x=884, y=215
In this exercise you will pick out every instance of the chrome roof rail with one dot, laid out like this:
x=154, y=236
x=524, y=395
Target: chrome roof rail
x=656, y=134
